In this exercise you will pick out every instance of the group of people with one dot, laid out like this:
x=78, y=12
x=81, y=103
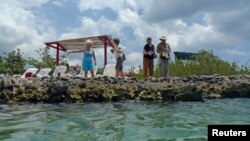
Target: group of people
x=75, y=70
x=89, y=58
x=149, y=54
x=162, y=52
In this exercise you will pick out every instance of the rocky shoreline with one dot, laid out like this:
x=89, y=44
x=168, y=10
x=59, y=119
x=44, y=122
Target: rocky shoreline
x=107, y=89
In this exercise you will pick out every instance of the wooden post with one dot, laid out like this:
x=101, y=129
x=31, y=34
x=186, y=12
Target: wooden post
x=57, y=55
x=105, y=54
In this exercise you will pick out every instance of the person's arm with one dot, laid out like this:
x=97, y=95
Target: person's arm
x=153, y=49
x=145, y=52
x=94, y=57
x=168, y=48
x=119, y=50
x=158, y=49
x=76, y=51
x=112, y=50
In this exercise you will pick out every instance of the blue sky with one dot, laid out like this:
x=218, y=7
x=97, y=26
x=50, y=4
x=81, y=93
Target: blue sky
x=219, y=25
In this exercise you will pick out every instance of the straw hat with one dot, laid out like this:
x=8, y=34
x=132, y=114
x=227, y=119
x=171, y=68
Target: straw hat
x=163, y=38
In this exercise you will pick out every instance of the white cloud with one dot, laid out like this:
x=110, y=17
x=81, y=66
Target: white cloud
x=20, y=28
x=233, y=23
x=235, y=52
x=24, y=3
x=219, y=28
x=89, y=27
x=180, y=23
x=128, y=17
x=100, y=4
x=74, y=62
x=168, y=9
x=114, y=5
x=59, y=3
x=181, y=36
x=231, y=18
x=134, y=58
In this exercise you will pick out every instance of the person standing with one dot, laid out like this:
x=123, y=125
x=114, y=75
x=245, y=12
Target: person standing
x=119, y=55
x=88, y=56
x=163, y=49
x=148, y=58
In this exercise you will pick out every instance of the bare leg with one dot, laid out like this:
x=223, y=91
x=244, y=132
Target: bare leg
x=122, y=74
x=92, y=73
x=86, y=73
x=116, y=73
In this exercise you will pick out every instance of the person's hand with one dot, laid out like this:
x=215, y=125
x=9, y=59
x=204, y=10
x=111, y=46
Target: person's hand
x=150, y=53
x=167, y=49
x=112, y=50
x=95, y=63
x=116, y=49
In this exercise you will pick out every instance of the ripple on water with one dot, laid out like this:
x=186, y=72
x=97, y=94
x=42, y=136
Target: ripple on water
x=123, y=121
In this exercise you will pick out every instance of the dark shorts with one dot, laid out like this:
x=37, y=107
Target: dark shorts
x=119, y=62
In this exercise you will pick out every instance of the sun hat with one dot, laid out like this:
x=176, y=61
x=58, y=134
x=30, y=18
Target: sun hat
x=163, y=38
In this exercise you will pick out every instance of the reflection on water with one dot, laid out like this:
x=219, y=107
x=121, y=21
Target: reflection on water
x=125, y=121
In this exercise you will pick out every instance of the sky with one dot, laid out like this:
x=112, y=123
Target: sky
x=222, y=26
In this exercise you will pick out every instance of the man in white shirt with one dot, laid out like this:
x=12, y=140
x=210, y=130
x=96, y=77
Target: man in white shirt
x=119, y=55
x=163, y=49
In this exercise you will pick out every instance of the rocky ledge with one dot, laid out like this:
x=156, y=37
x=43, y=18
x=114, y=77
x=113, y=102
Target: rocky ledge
x=106, y=89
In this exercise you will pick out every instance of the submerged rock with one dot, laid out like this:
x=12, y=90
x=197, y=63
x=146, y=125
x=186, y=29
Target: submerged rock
x=237, y=90
x=189, y=93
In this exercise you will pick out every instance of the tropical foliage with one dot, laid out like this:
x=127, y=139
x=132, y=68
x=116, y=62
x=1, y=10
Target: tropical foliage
x=14, y=62
x=45, y=59
x=204, y=63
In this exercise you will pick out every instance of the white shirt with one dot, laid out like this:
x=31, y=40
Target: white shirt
x=117, y=54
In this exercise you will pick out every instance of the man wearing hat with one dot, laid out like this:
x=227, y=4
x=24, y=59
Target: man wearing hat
x=163, y=49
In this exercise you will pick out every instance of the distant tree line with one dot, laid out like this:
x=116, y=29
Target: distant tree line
x=13, y=62
x=203, y=63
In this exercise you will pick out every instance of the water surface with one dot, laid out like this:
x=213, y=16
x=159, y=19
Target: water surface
x=124, y=121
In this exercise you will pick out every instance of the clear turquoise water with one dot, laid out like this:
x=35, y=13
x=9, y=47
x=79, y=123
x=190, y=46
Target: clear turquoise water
x=126, y=121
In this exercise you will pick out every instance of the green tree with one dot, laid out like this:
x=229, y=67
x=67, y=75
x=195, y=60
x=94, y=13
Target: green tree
x=206, y=63
x=2, y=65
x=46, y=60
x=132, y=72
x=13, y=62
x=100, y=71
